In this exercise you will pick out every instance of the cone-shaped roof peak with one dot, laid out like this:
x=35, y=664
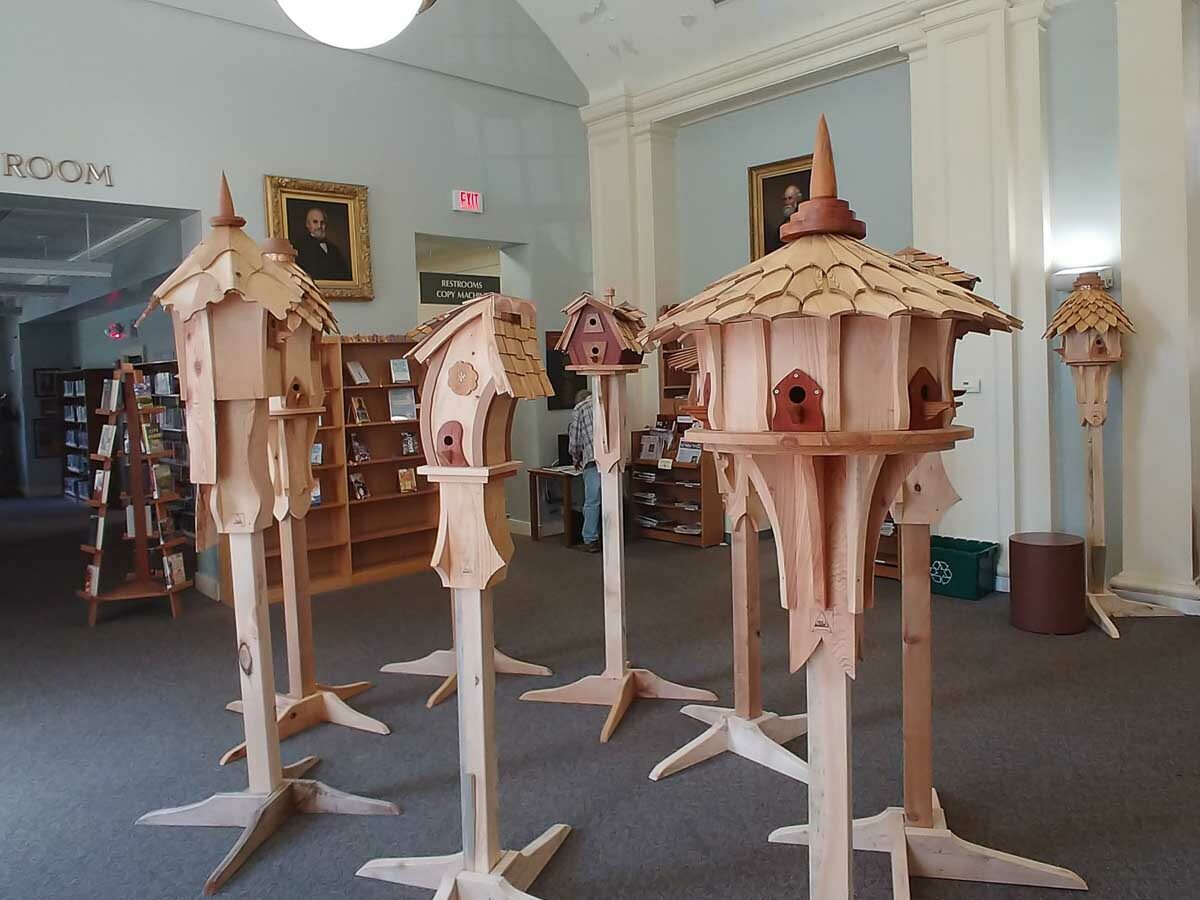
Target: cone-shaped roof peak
x=823, y=212
x=225, y=212
x=824, y=175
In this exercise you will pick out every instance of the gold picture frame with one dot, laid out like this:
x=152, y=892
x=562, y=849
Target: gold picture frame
x=767, y=184
x=336, y=249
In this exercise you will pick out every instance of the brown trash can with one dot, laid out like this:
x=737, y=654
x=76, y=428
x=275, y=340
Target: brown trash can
x=1049, y=590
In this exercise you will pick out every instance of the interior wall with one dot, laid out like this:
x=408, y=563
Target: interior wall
x=247, y=101
x=1085, y=206
x=869, y=123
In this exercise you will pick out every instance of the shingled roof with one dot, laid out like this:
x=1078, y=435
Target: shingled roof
x=824, y=270
x=1089, y=306
x=314, y=308
x=228, y=260
x=685, y=360
x=628, y=318
x=933, y=264
x=510, y=326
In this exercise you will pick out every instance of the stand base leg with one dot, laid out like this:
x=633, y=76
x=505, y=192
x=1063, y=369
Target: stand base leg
x=441, y=663
x=515, y=872
x=758, y=740
x=936, y=852
x=295, y=716
x=1102, y=608
x=260, y=815
x=617, y=692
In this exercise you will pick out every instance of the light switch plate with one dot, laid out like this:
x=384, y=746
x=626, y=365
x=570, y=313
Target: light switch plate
x=967, y=385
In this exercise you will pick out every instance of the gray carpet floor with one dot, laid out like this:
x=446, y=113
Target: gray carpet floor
x=1081, y=751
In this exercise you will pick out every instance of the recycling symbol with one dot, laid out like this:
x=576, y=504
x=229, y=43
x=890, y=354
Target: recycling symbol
x=940, y=572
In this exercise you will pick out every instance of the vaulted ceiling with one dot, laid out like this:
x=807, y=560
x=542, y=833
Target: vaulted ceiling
x=633, y=45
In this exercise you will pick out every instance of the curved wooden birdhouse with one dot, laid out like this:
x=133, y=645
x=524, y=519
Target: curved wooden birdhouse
x=823, y=367
x=602, y=332
x=301, y=389
x=1090, y=323
x=231, y=307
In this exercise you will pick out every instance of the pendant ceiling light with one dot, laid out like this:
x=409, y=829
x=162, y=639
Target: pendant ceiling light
x=353, y=24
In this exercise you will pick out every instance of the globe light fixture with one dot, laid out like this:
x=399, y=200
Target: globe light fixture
x=353, y=24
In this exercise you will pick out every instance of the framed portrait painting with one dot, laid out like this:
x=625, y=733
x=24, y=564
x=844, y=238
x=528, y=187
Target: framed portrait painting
x=45, y=382
x=776, y=189
x=327, y=224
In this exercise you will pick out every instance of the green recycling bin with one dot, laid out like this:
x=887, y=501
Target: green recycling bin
x=962, y=568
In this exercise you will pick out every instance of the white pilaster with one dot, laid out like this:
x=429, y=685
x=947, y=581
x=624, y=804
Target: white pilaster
x=1160, y=287
x=980, y=183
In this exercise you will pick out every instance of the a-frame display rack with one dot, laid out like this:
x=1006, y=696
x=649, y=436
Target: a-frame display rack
x=144, y=582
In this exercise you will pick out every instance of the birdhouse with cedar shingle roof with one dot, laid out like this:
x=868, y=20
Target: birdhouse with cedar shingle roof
x=1090, y=323
x=601, y=332
x=479, y=360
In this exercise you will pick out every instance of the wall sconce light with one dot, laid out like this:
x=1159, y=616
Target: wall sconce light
x=353, y=24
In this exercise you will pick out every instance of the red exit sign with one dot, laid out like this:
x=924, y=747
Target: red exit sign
x=467, y=201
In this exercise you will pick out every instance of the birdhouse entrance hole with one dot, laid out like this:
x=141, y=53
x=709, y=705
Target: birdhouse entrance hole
x=449, y=445
x=924, y=402
x=798, y=403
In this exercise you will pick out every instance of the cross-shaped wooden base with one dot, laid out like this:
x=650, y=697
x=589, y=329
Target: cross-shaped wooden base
x=758, y=740
x=1103, y=607
x=441, y=663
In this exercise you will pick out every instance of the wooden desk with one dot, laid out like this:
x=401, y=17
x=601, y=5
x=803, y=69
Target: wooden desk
x=535, y=507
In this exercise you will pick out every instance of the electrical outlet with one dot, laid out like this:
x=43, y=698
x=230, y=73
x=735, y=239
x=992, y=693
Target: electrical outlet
x=967, y=385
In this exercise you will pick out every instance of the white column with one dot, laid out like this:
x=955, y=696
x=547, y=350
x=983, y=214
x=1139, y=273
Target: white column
x=980, y=184
x=632, y=178
x=1160, y=287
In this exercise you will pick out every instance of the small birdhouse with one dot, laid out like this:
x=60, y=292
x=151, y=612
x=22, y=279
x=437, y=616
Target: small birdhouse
x=480, y=359
x=232, y=309
x=1090, y=323
x=602, y=332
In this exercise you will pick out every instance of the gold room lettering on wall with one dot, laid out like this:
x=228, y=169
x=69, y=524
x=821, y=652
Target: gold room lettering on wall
x=43, y=168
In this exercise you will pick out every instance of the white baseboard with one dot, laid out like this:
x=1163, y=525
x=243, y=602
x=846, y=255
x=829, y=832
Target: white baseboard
x=519, y=526
x=208, y=585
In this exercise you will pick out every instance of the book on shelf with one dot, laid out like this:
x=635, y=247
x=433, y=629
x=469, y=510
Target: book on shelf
x=402, y=404
x=316, y=456
x=358, y=486
x=100, y=486
x=688, y=452
x=165, y=383
x=171, y=418
x=356, y=372
x=97, y=529
x=690, y=484
x=141, y=393
x=406, y=480
x=91, y=581
x=114, y=395
x=646, y=498
x=152, y=441
x=400, y=371
x=409, y=445
x=651, y=448
x=316, y=493
x=105, y=394
x=358, y=411
x=359, y=452
x=108, y=435
x=173, y=570
x=689, y=528
x=647, y=475
x=130, y=525
x=164, y=481
x=648, y=521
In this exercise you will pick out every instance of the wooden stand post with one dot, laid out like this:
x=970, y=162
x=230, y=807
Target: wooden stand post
x=746, y=729
x=619, y=685
x=442, y=664
x=916, y=836
x=1103, y=605
x=482, y=871
x=228, y=424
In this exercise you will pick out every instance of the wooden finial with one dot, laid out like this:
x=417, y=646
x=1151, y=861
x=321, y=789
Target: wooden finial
x=1088, y=279
x=279, y=246
x=225, y=213
x=824, y=175
x=610, y=294
x=823, y=212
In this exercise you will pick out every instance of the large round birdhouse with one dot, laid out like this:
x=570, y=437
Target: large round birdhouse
x=823, y=368
x=1090, y=323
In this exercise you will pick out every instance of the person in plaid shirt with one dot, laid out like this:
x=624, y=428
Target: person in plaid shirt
x=581, y=438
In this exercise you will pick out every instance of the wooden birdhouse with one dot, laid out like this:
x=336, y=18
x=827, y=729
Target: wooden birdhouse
x=687, y=361
x=831, y=338
x=1090, y=323
x=602, y=332
x=932, y=264
x=232, y=309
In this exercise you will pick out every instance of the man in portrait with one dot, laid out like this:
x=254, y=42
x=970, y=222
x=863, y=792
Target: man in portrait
x=316, y=254
x=792, y=197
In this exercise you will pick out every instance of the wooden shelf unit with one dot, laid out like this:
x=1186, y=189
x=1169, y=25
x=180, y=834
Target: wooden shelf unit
x=670, y=492
x=77, y=463
x=172, y=422
x=389, y=534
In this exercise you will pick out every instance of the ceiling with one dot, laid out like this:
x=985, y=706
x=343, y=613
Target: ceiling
x=633, y=45
x=56, y=234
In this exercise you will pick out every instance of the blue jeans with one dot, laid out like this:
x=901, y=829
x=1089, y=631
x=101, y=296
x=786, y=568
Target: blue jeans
x=591, y=504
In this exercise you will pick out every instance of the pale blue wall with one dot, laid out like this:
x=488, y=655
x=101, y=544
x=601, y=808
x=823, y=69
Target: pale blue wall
x=869, y=123
x=1085, y=222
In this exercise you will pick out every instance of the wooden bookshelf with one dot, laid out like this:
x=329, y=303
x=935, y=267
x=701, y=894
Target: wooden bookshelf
x=694, y=484
x=387, y=534
x=172, y=422
x=79, y=393
x=673, y=385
